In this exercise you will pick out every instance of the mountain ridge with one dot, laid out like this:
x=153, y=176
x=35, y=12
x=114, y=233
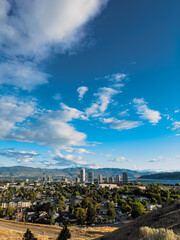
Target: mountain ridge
x=163, y=176
x=22, y=172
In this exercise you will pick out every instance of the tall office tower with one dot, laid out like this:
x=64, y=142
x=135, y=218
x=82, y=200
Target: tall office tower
x=118, y=178
x=77, y=180
x=82, y=175
x=111, y=180
x=44, y=177
x=49, y=178
x=125, y=178
x=100, y=178
x=91, y=177
x=106, y=180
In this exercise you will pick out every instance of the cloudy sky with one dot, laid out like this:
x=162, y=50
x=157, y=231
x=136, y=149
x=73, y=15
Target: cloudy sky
x=92, y=83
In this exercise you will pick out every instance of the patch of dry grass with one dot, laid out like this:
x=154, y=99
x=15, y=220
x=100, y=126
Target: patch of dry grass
x=7, y=234
x=101, y=229
x=158, y=234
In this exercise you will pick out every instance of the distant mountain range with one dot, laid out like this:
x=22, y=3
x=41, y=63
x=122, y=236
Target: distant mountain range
x=21, y=172
x=164, y=176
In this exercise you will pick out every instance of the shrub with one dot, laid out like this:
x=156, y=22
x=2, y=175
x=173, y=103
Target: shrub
x=64, y=234
x=29, y=236
x=158, y=234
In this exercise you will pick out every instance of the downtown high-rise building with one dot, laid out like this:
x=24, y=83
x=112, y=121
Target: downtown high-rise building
x=82, y=175
x=111, y=180
x=118, y=178
x=100, y=179
x=125, y=178
x=91, y=177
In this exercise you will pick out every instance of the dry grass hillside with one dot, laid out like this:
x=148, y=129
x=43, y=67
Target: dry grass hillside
x=7, y=234
x=167, y=217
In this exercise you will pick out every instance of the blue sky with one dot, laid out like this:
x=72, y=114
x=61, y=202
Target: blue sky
x=90, y=83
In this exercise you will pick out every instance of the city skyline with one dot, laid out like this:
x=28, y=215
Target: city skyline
x=90, y=85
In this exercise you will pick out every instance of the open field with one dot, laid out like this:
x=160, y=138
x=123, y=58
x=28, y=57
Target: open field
x=11, y=230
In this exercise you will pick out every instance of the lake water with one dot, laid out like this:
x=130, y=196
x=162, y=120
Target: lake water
x=159, y=181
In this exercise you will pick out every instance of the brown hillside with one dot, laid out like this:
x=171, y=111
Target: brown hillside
x=166, y=217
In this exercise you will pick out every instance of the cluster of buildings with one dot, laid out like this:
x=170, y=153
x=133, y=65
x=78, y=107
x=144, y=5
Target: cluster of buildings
x=89, y=178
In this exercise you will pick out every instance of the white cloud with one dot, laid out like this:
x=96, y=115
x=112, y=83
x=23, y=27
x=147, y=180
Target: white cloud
x=32, y=30
x=116, y=77
x=176, y=125
x=124, y=113
x=104, y=98
x=121, y=124
x=118, y=159
x=22, y=75
x=50, y=129
x=21, y=120
x=77, y=150
x=70, y=160
x=116, y=80
x=57, y=97
x=82, y=90
x=72, y=113
x=13, y=112
x=176, y=111
x=20, y=156
x=146, y=113
x=154, y=160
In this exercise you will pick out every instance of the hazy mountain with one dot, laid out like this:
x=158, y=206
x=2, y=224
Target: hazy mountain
x=166, y=175
x=29, y=172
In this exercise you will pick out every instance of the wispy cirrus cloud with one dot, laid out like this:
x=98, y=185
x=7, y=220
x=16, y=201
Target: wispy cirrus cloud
x=70, y=160
x=121, y=124
x=104, y=98
x=81, y=91
x=77, y=150
x=176, y=125
x=155, y=160
x=20, y=156
x=57, y=97
x=22, y=75
x=145, y=112
x=118, y=159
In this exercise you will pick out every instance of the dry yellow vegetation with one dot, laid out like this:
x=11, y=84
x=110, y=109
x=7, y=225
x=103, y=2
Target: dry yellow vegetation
x=7, y=234
x=158, y=234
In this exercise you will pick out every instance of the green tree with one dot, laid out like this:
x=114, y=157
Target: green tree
x=1, y=211
x=121, y=203
x=64, y=234
x=10, y=211
x=61, y=205
x=111, y=212
x=52, y=220
x=137, y=209
x=29, y=236
x=91, y=215
x=127, y=208
x=80, y=215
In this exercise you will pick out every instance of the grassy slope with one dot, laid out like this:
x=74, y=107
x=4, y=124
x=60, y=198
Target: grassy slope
x=7, y=234
x=166, y=217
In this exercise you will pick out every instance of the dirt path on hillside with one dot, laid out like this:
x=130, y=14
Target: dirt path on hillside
x=51, y=231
